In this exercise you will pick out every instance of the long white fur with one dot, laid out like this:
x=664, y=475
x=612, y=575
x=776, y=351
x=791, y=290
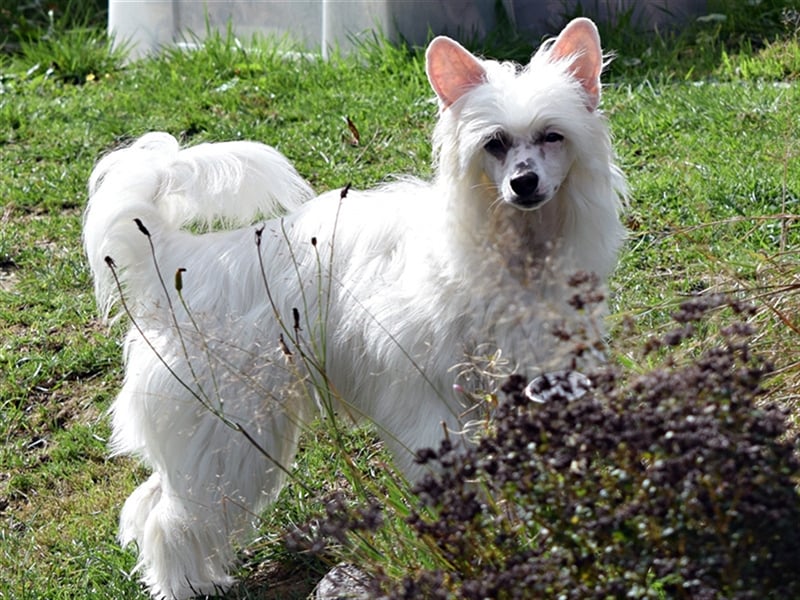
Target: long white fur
x=402, y=284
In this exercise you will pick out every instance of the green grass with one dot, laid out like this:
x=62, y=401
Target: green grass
x=707, y=134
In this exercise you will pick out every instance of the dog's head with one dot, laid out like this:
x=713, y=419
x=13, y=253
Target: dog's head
x=521, y=129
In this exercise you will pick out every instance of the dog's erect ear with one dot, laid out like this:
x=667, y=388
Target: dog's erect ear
x=580, y=40
x=452, y=70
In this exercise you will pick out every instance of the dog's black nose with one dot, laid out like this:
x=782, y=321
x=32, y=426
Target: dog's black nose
x=525, y=184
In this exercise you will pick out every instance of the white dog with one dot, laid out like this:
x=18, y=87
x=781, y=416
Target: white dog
x=361, y=302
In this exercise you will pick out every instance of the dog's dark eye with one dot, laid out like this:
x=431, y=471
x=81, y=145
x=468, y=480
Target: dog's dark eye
x=498, y=145
x=553, y=137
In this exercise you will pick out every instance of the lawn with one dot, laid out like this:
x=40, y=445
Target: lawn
x=706, y=125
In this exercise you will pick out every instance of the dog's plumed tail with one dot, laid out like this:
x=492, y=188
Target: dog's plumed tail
x=166, y=188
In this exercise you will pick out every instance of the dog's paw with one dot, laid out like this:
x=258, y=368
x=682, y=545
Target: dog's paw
x=558, y=385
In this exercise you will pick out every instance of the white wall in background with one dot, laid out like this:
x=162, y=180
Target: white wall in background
x=319, y=25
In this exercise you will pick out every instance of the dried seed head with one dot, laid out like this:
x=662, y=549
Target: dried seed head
x=141, y=226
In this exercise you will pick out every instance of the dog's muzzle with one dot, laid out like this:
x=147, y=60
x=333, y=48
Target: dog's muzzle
x=525, y=187
x=525, y=184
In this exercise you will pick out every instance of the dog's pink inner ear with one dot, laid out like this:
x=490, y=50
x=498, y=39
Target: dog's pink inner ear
x=452, y=70
x=580, y=40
